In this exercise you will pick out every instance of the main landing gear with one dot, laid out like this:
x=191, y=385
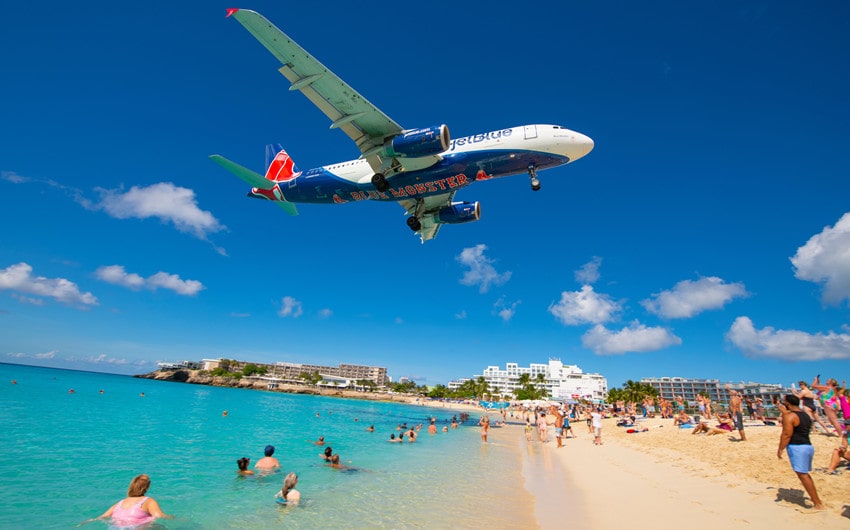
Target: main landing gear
x=413, y=221
x=380, y=182
x=532, y=173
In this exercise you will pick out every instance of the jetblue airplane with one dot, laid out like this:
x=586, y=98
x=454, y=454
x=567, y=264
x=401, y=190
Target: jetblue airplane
x=421, y=169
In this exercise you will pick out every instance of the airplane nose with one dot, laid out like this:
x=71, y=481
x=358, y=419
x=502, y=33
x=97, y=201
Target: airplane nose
x=581, y=145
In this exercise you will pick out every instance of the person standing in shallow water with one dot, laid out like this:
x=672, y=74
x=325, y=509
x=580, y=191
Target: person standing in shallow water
x=136, y=509
x=484, y=422
x=796, y=426
x=268, y=462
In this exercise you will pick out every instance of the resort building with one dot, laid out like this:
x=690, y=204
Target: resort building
x=670, y=387
x=562, y=382
x=182, y=365
x=292, y=372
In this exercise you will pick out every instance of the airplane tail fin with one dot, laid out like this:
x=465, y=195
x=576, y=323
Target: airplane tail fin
x=262, y=188
x=280, y=166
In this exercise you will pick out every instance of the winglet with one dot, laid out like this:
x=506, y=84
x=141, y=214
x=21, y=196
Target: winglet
x=230, y=11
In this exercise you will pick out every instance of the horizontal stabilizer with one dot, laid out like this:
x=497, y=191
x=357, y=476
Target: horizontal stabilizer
x=287, y=207
x=255, y=180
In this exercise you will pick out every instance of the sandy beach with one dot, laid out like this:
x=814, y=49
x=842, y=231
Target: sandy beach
x=667, y=477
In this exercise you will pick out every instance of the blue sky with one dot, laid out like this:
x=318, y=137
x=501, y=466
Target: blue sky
x=707, y=234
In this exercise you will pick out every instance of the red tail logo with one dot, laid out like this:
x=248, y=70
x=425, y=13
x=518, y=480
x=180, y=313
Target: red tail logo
x=282, y=168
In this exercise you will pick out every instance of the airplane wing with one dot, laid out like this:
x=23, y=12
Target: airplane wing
x=431, y=204
x=347, y=109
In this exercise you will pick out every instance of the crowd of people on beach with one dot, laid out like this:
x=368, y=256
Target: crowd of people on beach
x=798, y=414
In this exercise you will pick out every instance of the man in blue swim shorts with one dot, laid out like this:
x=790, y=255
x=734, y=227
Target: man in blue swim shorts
x=796, y=425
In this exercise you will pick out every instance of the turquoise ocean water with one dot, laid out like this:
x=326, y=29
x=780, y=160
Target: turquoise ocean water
x=68, y=457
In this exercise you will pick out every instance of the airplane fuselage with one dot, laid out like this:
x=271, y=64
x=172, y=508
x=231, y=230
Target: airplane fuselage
x=468, y=159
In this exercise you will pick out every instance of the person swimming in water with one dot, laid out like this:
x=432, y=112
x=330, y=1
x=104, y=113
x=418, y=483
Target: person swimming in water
x=243, y=466
x=288, y=494
x=136, y=509
x=327, y=454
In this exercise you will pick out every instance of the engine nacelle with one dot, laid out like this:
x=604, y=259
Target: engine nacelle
x=459, y=212
x=418, y=142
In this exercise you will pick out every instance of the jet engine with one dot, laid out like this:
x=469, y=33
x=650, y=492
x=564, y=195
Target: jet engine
x=418, y=142
x=459, y=212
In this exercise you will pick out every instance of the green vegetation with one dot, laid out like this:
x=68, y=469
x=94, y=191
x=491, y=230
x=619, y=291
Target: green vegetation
x=631, y=391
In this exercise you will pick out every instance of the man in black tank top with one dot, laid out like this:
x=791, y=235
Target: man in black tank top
x=796, y=425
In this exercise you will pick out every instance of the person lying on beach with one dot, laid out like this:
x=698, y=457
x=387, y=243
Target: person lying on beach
x=725, y=426
x=136, y=509
x=288, y=494
x=268, y=462
x=243, y=466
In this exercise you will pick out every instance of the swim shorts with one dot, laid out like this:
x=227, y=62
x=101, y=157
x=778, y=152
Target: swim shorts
x=801, y=457
x=739, y=421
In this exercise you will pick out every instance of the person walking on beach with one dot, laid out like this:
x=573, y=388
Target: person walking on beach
x=542, y=427
x=736, y=409
x=796, y=425
x=559, y=425
x=596, y=420
x=268, y=462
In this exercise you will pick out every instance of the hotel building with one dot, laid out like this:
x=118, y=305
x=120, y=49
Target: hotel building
x=562, y=382
x=718, y=392
x=292, y=372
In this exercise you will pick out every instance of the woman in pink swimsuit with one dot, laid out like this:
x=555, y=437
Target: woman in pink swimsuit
x=136, y=509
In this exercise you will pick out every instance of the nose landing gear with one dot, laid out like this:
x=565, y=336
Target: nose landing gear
x=532, y=173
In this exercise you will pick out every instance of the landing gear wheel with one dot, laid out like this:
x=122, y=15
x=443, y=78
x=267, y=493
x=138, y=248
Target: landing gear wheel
x=414, y=223
x=535, y=182
x=380, y=182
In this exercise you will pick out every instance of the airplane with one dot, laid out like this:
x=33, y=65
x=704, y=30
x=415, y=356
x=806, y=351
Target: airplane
x=420, y=168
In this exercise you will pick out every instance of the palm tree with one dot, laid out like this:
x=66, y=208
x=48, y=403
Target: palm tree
x=481, y=387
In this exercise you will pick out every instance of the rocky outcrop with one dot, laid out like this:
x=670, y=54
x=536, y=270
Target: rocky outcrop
x=195, y=377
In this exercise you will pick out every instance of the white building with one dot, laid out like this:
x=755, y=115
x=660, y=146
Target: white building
x=562, y=382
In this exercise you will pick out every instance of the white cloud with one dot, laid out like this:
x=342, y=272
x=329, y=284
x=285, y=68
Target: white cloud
x=104, y=359
x=461, y=315
x=45, y=355
x=584, y=307
x=481, y=271
x=325, y=313
x=290, y=307
x=13, y=177
x=505, y=311
x=115, y=274
x=825, y=259
x=787, y=345
x=589, y=272
x=688, y=298
x=165, y=201
x=173, y=282
x=18, y=278
x=634, y=338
